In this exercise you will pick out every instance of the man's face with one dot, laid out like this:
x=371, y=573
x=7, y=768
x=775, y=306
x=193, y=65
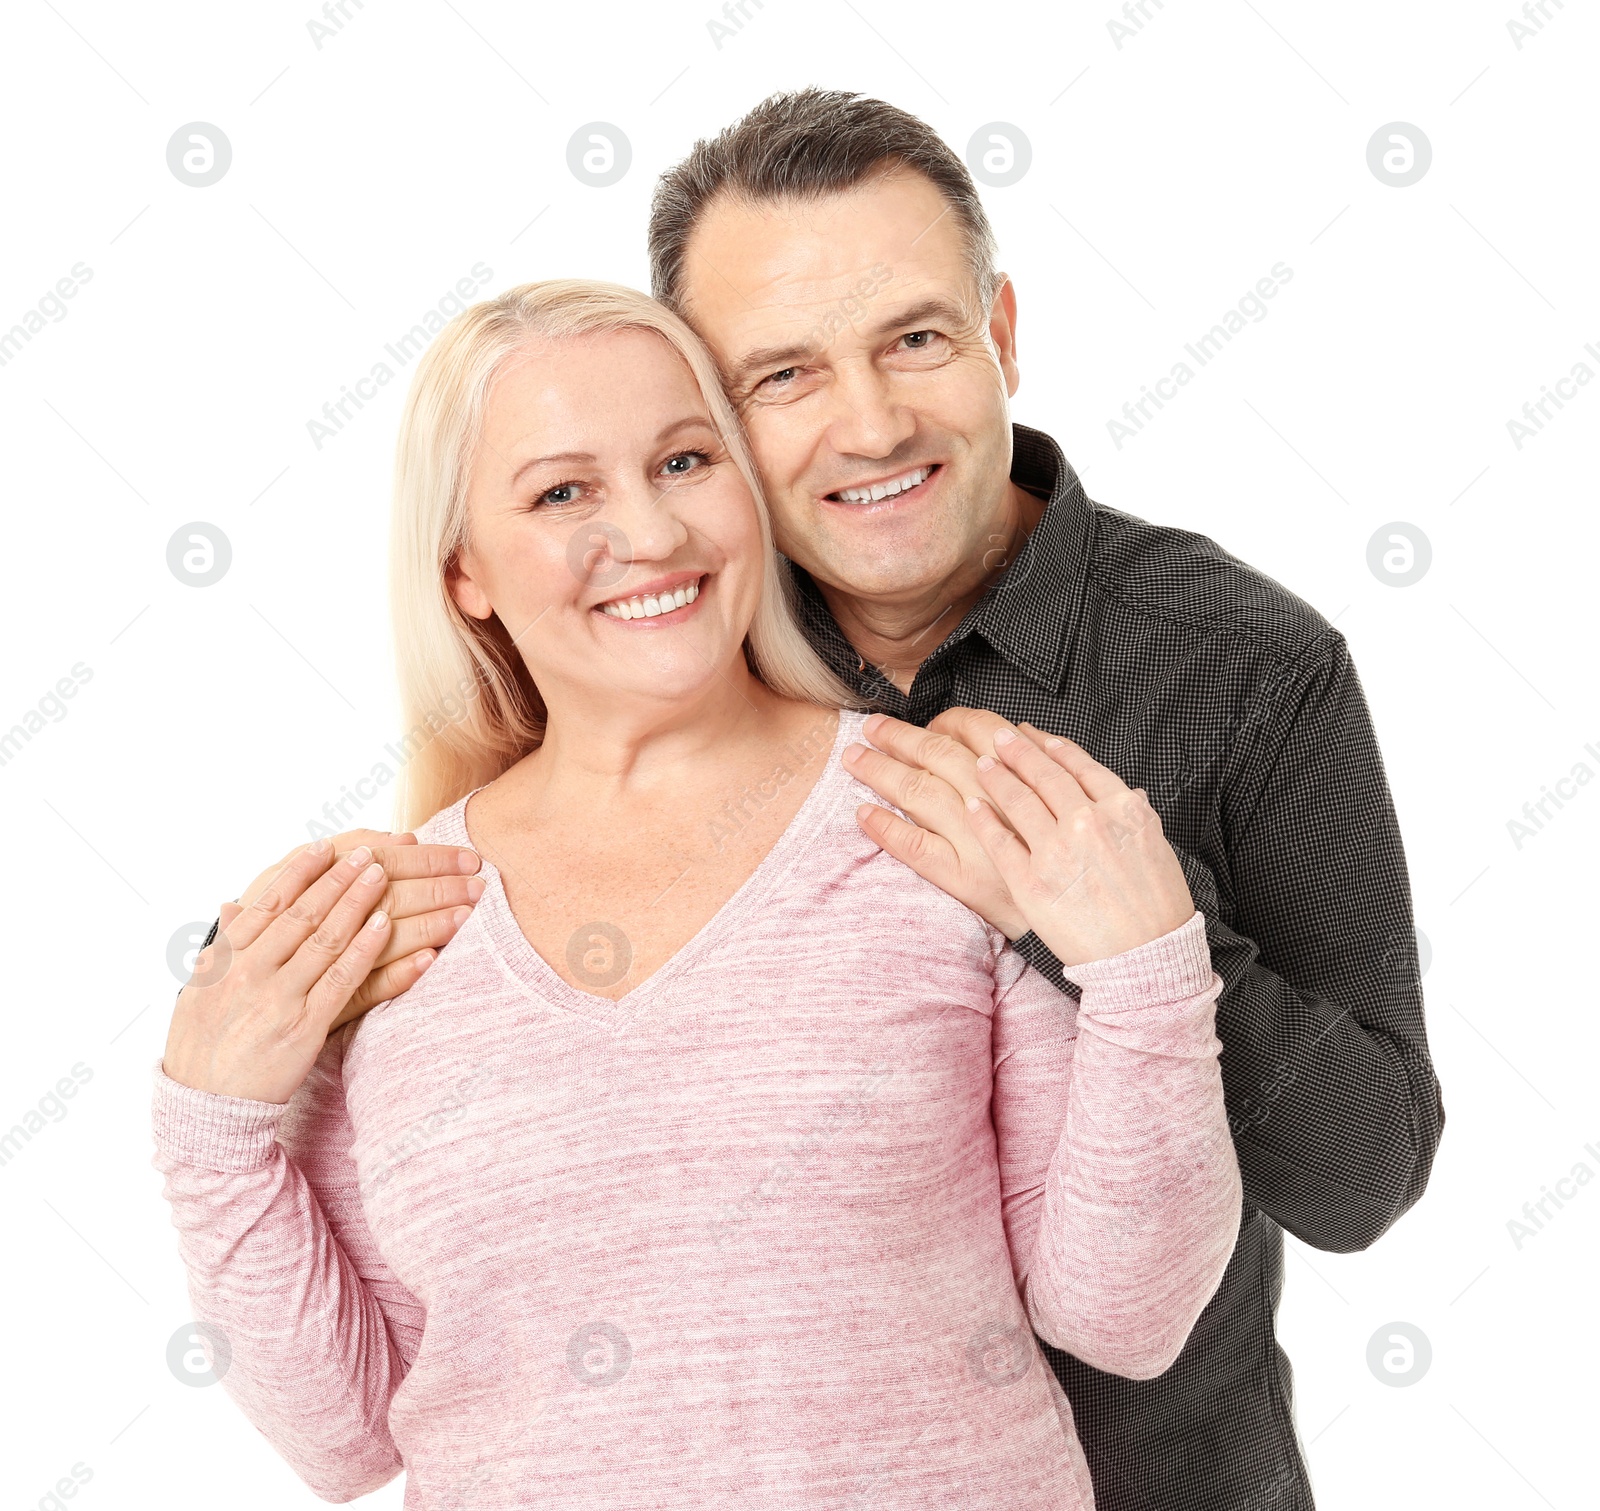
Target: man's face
x=855, y=349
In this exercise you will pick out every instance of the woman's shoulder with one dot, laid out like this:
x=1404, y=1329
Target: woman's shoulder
x=447, y=826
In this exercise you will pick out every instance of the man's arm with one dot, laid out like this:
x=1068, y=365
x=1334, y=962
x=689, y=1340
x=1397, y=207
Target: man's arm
x=1332, y=1097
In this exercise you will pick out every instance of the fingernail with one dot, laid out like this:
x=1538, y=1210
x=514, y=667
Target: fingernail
x=853, y=753
x=475, y=888
x=973, y=804
x=319, y=847
x=1004, y=736
x=467, y=860
x=984, y=764
x=374, y=872
x=360, y=855
x=1053, y=741
x=378, y=919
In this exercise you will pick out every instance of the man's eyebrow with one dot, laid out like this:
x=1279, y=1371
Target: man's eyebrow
x=688, y=422
x=774, y=358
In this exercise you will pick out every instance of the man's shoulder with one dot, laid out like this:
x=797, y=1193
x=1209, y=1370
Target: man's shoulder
x=1164, y=583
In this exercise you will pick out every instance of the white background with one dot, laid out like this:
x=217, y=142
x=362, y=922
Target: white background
x=1167, y=176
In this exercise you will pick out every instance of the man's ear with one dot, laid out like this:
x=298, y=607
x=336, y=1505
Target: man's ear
x=1003, y=332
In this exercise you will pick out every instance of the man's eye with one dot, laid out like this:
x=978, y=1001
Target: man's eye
x=783, y=375
x=920, y=340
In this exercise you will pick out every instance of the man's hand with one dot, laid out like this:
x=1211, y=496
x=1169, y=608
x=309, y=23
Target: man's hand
x=1082, y=855
x=430, y=892
x=928, y=774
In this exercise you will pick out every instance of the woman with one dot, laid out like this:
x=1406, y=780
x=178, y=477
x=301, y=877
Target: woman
x=717, y=1157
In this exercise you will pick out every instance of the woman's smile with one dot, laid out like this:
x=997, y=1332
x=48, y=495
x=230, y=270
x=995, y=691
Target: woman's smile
x=662, y=601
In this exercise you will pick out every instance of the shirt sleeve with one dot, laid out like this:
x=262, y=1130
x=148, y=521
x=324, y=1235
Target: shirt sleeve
x=1120, y=1189
x=318, y=1333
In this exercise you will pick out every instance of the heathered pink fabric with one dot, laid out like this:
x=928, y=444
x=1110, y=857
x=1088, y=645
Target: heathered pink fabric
x=774, y=1230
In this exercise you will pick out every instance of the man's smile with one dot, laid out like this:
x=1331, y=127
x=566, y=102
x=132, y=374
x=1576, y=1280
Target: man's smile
x=893, y=491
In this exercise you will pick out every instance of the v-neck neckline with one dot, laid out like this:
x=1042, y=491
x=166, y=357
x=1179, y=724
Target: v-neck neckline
x=494, y=916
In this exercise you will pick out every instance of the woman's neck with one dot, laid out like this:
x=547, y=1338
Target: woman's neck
x=626, y=751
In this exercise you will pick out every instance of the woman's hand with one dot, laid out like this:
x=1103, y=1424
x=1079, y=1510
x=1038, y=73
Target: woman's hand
x=431, y=893
x=1084, y=857
x=267, y=990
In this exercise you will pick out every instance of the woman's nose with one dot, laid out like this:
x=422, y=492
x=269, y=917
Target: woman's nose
x=649, y=519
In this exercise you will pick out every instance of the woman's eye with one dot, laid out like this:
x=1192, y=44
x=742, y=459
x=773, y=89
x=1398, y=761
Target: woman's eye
x=563, y=494
x=684, y=463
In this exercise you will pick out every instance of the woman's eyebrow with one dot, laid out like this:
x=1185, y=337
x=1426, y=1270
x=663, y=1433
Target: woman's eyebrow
x=688, y=422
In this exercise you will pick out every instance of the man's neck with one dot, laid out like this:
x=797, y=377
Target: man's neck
x=897, y=637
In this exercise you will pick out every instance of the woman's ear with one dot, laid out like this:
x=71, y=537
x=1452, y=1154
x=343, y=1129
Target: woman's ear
x=464, y=589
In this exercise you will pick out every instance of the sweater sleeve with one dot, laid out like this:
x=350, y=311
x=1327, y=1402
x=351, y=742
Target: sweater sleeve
x=282, y=1266
x=1120, y=1188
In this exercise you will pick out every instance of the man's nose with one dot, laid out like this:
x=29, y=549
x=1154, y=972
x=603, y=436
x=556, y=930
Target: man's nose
x=866, y=417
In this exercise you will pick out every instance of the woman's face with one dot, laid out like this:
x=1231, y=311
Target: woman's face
x=609, y=527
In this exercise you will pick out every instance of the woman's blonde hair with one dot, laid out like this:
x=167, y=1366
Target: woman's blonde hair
x=470, y=708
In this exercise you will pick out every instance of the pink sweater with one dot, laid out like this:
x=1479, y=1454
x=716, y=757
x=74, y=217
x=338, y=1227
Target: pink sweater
x=776, y=1229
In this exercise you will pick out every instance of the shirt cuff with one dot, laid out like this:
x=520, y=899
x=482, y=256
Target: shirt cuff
x=210, y=1130
x=1173, y=968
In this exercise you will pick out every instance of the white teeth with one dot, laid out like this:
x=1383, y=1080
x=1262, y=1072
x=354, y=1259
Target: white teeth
x=883, y=490
x=652, y=605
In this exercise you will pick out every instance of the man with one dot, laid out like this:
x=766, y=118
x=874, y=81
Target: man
x=833, y=253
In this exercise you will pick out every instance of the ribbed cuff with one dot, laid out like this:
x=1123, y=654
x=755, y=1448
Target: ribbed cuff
x=1170, y=969
x=210, y=1130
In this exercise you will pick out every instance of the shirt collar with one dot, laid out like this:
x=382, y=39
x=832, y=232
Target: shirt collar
x=1028, y=614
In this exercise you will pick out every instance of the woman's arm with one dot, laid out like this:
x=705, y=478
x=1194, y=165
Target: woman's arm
x=281, y=1264
x=1119, y=1184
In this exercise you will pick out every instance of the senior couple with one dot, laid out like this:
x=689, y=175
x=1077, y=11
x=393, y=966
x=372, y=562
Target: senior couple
x=884, y=953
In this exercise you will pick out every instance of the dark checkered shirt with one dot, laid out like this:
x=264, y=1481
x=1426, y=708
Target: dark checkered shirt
x=1236, y=706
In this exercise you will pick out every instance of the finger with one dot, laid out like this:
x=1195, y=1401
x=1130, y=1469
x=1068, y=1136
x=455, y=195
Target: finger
x=1010, y=856
x=431, y=930
x=384, y=984
x=1100, y=782
x=1061, y=793
x=973, y=727
x=227, y=913
x=917, y=792
x=929, y=749
x=415, y=862
x=1016, y=802
x=336, y=920
x=931, y=856
x=308, y=912
x=407, y=899
x=336, y=982
x=279, y=892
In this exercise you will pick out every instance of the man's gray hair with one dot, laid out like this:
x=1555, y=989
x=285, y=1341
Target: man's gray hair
x=804, y=144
